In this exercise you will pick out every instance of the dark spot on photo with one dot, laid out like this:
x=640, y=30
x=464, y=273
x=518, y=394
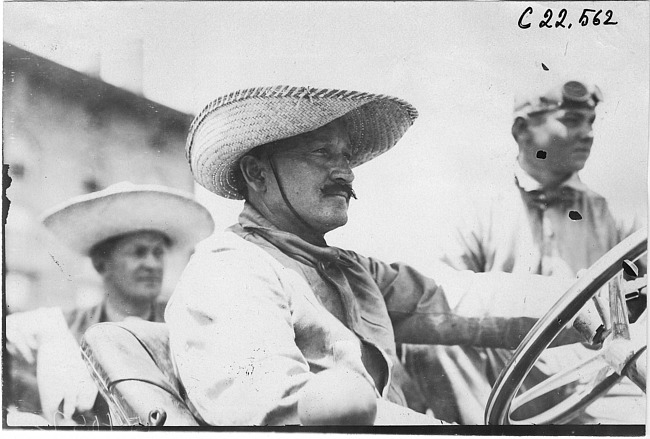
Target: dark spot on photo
x=544, y=67
x=575, y=215
x=541, y=154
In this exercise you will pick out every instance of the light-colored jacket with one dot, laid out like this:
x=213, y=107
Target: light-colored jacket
x=257, y=313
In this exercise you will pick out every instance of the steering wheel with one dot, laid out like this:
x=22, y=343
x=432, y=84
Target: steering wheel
x=617, y=356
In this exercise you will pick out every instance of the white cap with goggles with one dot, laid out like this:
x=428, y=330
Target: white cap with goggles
x=570, y=94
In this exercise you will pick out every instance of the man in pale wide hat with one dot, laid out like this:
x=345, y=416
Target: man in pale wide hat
x=544, y=220
x=126, y=230
x=271, y=326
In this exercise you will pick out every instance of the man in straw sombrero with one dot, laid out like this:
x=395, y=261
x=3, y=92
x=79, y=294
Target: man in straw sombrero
x=126, y=230
x=271, y=326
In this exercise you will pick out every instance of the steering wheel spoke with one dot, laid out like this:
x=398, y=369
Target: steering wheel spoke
x=620, y=323
x=589, y=367
x=583, y=378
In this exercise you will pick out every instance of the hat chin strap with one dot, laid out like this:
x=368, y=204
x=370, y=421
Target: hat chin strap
x=286, y=200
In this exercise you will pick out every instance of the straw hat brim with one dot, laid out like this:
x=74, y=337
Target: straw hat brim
x=85, y=221
x=232, y=125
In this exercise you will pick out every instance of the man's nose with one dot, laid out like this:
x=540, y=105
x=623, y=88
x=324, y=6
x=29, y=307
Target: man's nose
x=342, y=171
x=152, y=261
x=587, y=130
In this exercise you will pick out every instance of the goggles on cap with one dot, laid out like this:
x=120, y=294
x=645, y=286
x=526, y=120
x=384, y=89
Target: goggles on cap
x=571, y=94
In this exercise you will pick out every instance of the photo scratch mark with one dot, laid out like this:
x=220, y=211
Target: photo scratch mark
x=59, y=265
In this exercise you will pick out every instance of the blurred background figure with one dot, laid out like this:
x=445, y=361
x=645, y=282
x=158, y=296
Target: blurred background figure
x=67, y=133
x=546, y=221
x=126, y=230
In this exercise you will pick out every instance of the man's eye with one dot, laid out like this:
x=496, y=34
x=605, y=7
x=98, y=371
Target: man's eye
x=572, y=120
x=140, y=252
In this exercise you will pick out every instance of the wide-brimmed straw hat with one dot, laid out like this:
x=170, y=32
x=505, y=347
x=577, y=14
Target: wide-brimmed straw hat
x=122, y=208
x=231, y=125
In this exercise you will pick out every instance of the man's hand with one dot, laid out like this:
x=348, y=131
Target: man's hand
x=63, y=378
x=26, y=331
x=42, y=336
x=337, y=396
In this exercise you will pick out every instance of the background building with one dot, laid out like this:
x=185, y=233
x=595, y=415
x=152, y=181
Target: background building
x=67, y=133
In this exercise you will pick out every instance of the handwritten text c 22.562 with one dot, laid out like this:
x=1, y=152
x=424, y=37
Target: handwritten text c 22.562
x=588, y=17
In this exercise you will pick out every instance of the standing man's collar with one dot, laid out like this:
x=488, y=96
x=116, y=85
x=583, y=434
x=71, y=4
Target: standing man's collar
x=528, y=183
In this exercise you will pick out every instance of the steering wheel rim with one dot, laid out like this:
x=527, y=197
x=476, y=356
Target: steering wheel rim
x=497, y=411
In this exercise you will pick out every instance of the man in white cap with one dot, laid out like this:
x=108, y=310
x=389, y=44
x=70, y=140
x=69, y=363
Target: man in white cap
x=127, y=231
x=271, y=326
x=547, y=222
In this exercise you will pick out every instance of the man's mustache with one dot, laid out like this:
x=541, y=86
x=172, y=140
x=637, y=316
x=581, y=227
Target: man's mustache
x=147, y=273
x=336, y=188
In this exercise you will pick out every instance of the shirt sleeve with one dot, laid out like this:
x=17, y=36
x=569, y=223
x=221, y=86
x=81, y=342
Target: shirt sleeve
x=490, y=309
x=627, y=225
x=232, y=340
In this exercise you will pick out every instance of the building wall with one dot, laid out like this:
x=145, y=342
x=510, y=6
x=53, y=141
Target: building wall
x=67, y=134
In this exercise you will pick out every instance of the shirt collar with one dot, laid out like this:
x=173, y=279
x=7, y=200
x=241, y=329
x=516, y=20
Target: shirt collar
x=251, y=217
x=528, y=183
x=98, y=313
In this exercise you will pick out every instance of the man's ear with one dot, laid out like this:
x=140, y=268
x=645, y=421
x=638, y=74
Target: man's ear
x=519, y=128
x=254, y=172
